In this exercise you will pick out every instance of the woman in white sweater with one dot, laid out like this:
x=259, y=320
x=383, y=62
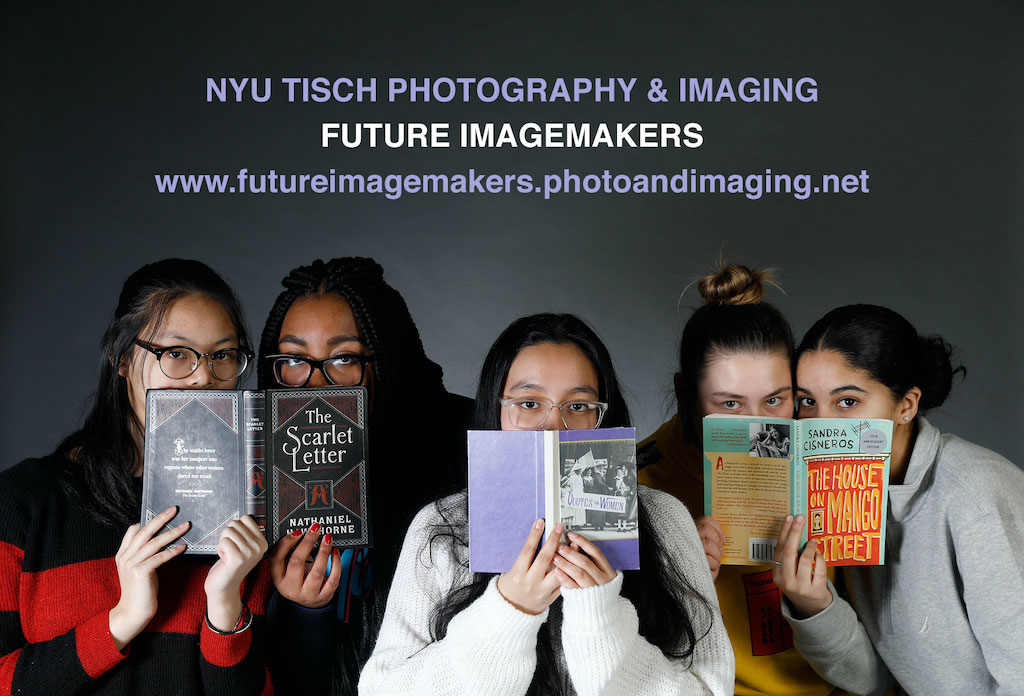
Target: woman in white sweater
x=559, y=621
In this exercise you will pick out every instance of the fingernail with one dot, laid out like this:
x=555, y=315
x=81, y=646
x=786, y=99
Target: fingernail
x=295, y=533
x=559, y=528
x=539, y=524
x=170, y=509
x=557, y=560
x=315, y=529
x=799, y=519
x=789, y=518
x=573, y=535
x=183, y=525
x=327, y=539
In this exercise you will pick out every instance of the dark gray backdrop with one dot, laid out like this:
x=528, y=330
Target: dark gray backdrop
x=925, y=96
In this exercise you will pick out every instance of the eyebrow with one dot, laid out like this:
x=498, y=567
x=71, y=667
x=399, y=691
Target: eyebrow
x=522, y=386
x=848, y=387
x=333, y=341
x=188, y=341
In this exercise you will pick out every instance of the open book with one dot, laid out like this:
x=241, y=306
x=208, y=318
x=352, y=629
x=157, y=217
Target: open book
x=585, y=479
x=834, y=471
x=288, y=457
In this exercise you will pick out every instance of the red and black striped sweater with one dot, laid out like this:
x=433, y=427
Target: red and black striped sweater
x=58, y=583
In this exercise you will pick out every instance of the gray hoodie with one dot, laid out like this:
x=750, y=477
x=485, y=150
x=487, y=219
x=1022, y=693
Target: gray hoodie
x=945, y=614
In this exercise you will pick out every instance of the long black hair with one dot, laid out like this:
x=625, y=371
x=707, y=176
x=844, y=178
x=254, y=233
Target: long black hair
x=105, y=453
x=887, y=347
x=406, y=383
x=733, y=319
x=659, y=592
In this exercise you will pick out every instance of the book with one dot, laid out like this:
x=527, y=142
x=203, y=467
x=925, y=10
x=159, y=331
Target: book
x=585, y=479
x=288, y=457
x=834, y=471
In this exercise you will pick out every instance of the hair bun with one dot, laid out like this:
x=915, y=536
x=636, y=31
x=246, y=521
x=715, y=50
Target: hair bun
x=936, y=371
x=735, y=284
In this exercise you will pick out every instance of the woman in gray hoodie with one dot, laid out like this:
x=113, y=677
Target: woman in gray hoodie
x=942, y=616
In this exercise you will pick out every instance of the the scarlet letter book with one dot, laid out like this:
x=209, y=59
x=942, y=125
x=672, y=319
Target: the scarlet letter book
x=585, y=479
x=834, y=471
x=288, y=457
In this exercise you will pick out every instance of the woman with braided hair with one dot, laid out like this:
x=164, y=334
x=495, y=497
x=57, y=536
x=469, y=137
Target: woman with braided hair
x=338, y=322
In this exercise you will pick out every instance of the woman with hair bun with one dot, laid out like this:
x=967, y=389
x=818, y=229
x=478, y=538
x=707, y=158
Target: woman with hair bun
x=735, y=358
x=941, y=616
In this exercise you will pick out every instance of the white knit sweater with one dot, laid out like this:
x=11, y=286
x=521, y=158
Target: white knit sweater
x=490, y=647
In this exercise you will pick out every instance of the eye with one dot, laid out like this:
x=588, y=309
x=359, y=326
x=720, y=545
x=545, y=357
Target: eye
x=774, y=401
x=224, y=355
x=731, y=404
x=292, y=361
x=806, y=402
x=527, y=405
x=344, y=360
x=579, y=406
x=847, y=402
x=176, y=354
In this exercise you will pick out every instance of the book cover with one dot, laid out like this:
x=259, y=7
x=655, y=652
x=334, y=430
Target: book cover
x=316, y=459
x=289, y=458
x=585, y=479
x=834, y=471
x=195, y=458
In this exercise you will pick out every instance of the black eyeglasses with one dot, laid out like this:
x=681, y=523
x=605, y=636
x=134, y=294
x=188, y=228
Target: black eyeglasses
x=345, y=370
x=178, y=362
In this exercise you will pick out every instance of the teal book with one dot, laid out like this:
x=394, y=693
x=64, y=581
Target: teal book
x=834, y=471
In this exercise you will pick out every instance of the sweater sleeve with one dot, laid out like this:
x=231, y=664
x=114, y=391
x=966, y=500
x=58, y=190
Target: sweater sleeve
x=302, y=645
x=835, y=644
x=990, y=557
x=489, y=648
x=65, y=664
x=234, y=664
x=604, y=650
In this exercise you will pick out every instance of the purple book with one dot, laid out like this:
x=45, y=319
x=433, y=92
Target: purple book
x=585, y=479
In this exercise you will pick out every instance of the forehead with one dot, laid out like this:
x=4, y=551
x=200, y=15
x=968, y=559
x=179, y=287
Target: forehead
x=742, y=373
x=827, y=369
x=551, y=368
x=197, y=317
x=325, y=315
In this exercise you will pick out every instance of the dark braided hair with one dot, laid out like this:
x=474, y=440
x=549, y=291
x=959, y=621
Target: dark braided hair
x=408, y=394
x=103, y=456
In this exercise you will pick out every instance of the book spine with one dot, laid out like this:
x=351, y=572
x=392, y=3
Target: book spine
x=801, y=494
x=551, y=478
x=254, y=451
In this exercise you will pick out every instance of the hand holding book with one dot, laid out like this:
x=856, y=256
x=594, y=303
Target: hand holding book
x=801, y=576
x=137, y=561
x=240, y=548
x=308, y=584
x=531, y=585
x=712, y=537
x=581, y=564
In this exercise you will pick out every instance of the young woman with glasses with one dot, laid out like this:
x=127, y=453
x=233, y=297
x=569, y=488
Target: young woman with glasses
x=87, y=607
x=560, y=620
x=339, y=323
